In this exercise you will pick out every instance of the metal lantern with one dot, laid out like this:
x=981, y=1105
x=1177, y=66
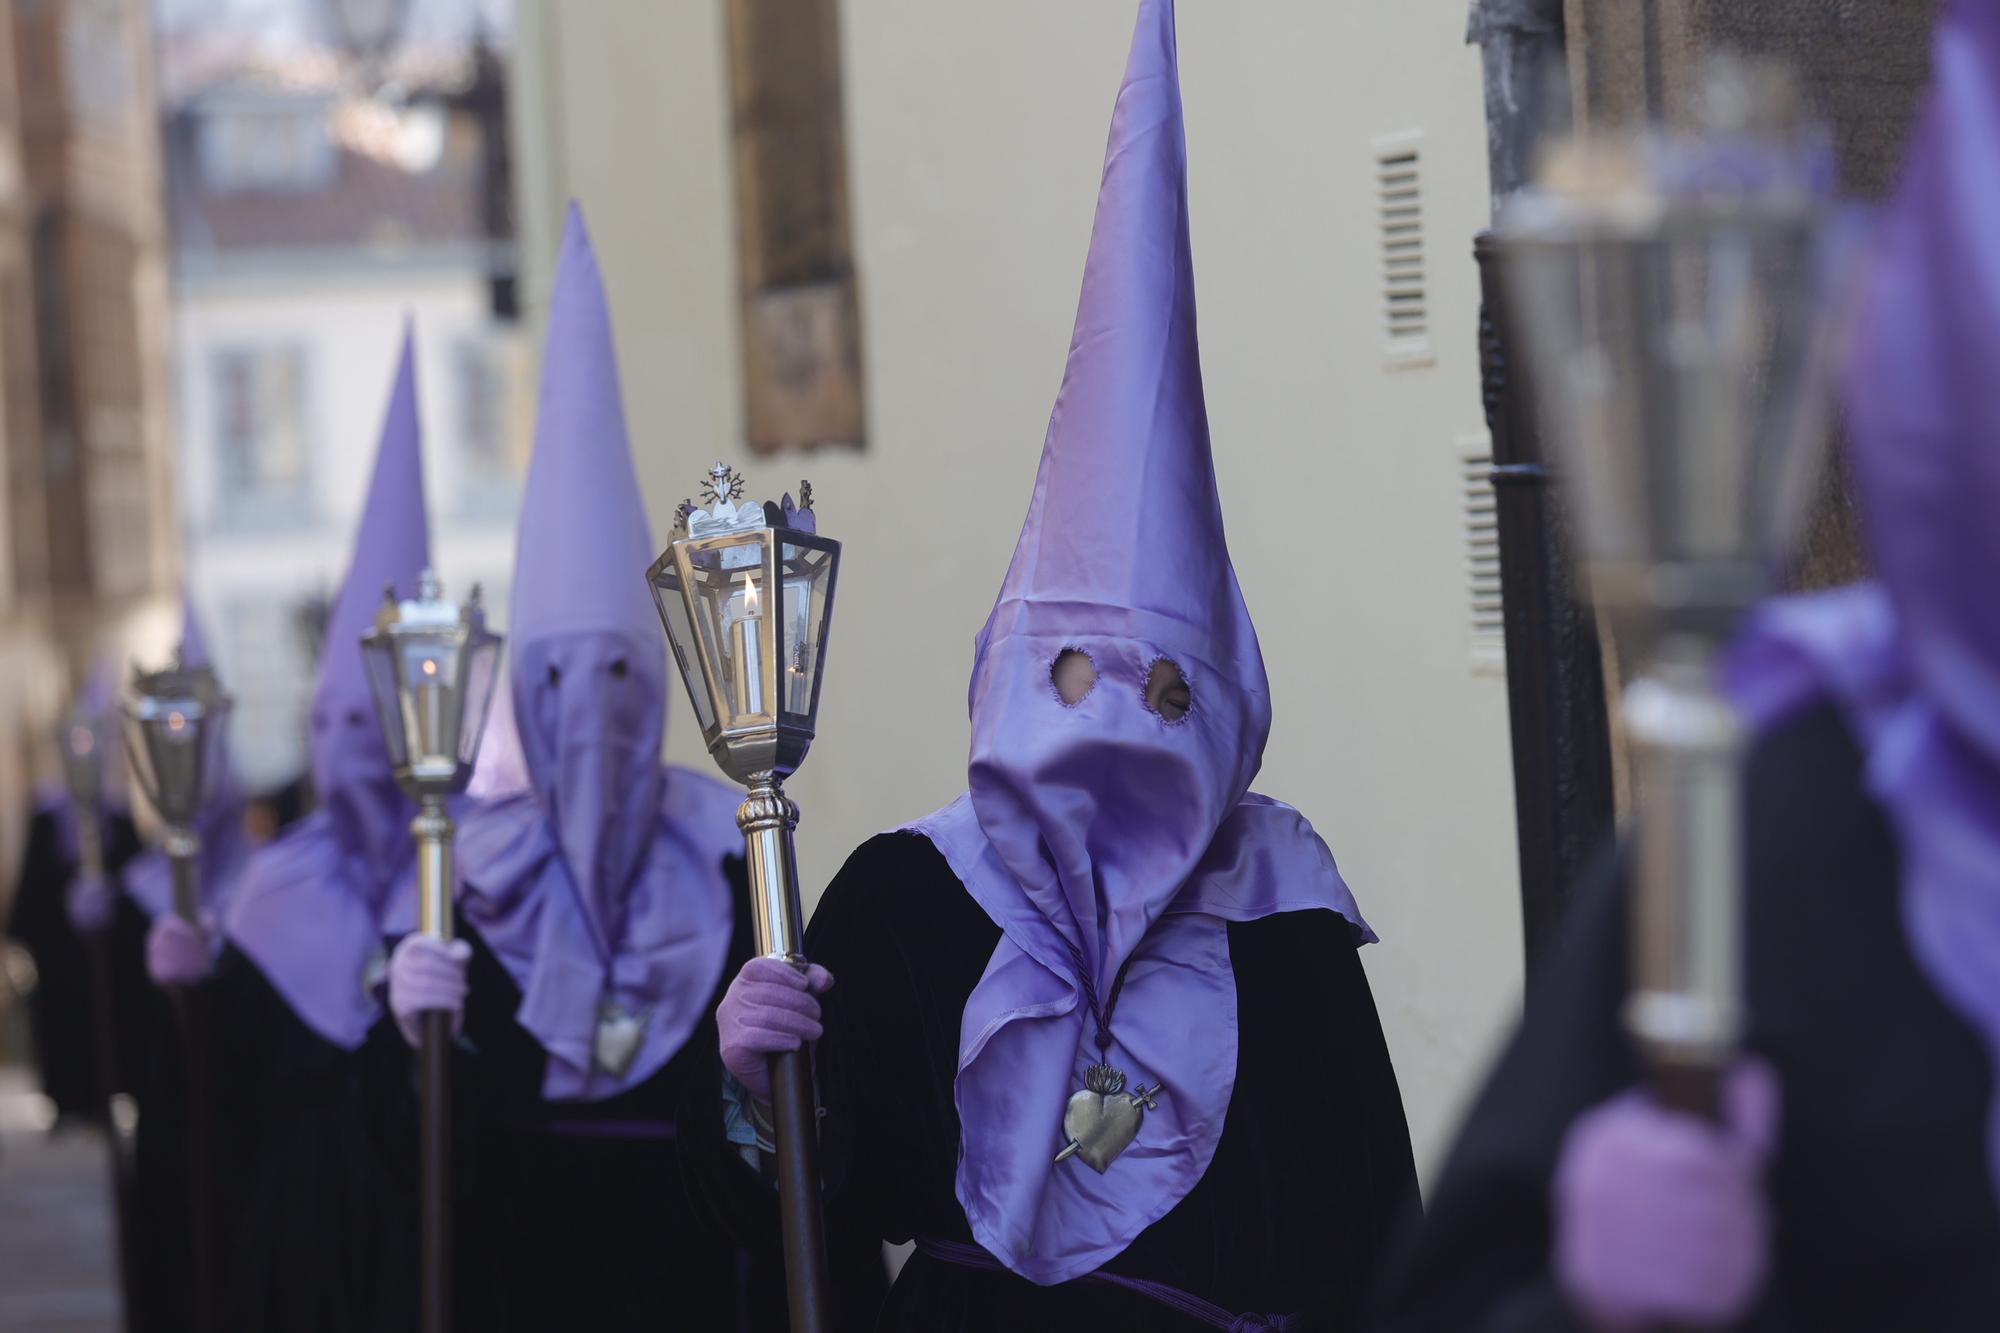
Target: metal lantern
x=746, y=593
x=175, y=733
x=432, y=665
x=1669, y=290
x=83, y=738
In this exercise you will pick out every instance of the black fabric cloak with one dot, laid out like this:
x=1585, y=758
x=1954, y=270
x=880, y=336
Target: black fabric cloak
x=301, y=1178
x=1883, y=1197
x=62, y=1011
x=1313, y=1164
x=574, y=1215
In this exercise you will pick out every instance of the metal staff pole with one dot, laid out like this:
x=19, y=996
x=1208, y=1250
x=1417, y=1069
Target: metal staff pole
x=432, y=665
x=745, y=591
x=191, y=1013
x=768, y=818
x=433, y=831
x=174, y=735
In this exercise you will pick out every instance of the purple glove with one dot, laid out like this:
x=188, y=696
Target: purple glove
x=768, y=1008
x=425, y=974
x=89, y=902
x=1661, y=1217
x=177, y=954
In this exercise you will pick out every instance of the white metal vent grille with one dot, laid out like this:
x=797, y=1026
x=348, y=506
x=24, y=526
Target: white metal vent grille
x=1399, y=223
x=1479, y=521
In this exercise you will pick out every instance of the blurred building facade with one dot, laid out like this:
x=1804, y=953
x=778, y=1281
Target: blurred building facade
x=1338, y=174
x=89, y=550
x=313, y=218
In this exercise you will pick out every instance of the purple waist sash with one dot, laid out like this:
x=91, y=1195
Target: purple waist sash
x=1194, y=1307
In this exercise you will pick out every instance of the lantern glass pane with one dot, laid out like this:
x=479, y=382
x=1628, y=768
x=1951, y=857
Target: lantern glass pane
x=734, y=606
x=379, y=652
x=174, y=753
x=215, y=748
x=138, y=760
x=429, y=667
x=1676, y=369
x=805, y=607
x=85, y=750
x=667, y=595
x=482, y=663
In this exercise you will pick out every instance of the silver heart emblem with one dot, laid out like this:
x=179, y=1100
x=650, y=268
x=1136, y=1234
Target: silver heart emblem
x=618, y=1034
x=1102, y=1120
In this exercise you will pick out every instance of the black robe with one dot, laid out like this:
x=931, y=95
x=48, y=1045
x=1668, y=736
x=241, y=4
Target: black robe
x=164, y=1251
x=1313, y=1163
x=303, y=1180
x=1883, y=1200
x=63, y=1009
x=574, y=1215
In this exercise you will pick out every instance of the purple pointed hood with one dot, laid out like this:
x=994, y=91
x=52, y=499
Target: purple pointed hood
x=99, y=690
x=391, y=549
x=1102, y=833
x=148, y=880
x=1123, y=558
x=314, y=905
x=193, y=647
x=1914, y=660
x=601, y=890
x=584, y=632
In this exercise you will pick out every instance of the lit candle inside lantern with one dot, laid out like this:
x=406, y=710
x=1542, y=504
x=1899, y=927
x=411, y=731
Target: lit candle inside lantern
x=431, y=711
x=748, y=650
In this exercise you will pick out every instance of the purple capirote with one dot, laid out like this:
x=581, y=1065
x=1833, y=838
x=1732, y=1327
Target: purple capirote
x=1104, y=833
x=600, y=887
x=313, y=906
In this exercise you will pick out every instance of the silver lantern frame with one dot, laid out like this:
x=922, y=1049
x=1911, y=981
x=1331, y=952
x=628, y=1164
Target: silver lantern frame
x=1671, y=289
x=176, y=729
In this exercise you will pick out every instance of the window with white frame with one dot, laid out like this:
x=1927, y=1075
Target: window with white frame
x=260, y=430
x=482, y=387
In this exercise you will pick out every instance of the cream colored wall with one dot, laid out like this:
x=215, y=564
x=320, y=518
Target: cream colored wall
x=976, y=133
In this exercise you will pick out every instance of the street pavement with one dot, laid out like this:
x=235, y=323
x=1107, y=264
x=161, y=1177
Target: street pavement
x=57, y=1273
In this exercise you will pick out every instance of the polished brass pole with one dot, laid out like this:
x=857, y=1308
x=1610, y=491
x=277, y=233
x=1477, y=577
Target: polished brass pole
x=433, y=831
x=767, y=818
x=191, y=1013
x=1685, y=1006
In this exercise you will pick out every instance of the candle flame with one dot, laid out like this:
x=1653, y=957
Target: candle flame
x=753, y=605
x=430, y=667
x=175, y=721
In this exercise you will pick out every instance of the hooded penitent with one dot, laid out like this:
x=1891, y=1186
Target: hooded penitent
x=1914, y=660
x=95, y=702
x=149, y=880
x=1102, y=834
x=313, y=907
x=601, y=888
